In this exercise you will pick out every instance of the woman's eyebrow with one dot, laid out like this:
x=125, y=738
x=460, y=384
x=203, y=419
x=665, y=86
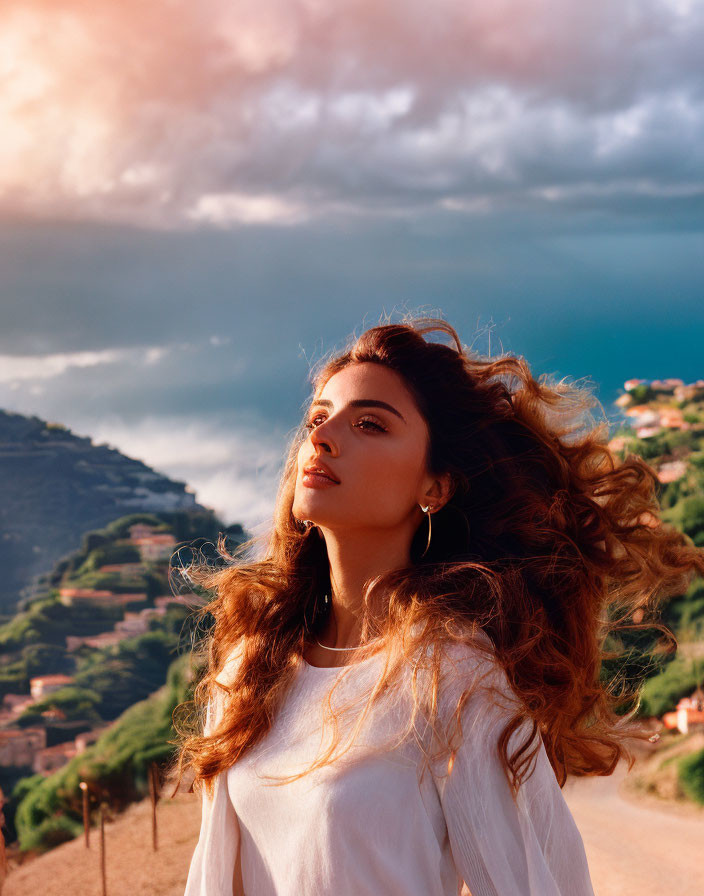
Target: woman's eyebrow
x=362, y=403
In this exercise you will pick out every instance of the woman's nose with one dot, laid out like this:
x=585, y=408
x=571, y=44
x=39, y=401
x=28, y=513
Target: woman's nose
x=322, y=436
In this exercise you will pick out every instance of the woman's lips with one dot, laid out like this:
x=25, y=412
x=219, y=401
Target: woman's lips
x=317, y=480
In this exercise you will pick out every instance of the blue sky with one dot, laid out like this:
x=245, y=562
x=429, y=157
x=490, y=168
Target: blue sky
x=186, y=225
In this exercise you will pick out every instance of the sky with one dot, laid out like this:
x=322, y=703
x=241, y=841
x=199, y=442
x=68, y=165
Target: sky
x=199, y=201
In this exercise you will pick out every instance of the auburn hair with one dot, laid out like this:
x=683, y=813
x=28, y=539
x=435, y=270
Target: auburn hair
x=550, y=545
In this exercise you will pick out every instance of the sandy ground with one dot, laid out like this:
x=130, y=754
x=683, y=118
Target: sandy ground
x=132, y=867
x=634, y=846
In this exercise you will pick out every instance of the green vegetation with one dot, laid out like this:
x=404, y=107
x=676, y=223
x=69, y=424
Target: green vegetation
x=76, y=704
x=48, y=621
x=641, y=394
x=115, y=767
x=127, y=671
x=33, y=642
x=690, y=774
x=684, y=613
x=662, y=692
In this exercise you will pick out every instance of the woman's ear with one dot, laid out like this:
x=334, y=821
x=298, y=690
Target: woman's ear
x=449, y=486
x=440, y=492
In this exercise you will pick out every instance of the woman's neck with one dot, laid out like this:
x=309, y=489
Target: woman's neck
x=355, y=558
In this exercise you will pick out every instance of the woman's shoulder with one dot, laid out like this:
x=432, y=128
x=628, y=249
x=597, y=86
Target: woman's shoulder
x=229, y=665
x=473, y=666
x=473, y=653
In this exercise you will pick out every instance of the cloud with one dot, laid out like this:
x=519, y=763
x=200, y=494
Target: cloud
x=224, y=208
x=284, y=112
x=233, y=471
x=16, y=368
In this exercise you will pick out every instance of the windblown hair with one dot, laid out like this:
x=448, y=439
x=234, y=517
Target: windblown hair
x=549, y=545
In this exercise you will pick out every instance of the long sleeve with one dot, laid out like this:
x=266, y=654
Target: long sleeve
x=500, y=848
x=213, y=863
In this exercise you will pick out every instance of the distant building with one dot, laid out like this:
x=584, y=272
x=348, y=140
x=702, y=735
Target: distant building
x=72, y=596
x=83, y=741
x=689, y=714
x=672, y=470
x=156, y=547
x=690, y=392
x=104, y=639
x=672, y=418
x=18, y=746
x=41, y=685
x=668, y=385
x=643, y=415
x=152, y=545
x=631, y=384
x=124, y=569
x=618, y=443
x=188, y=599
x=68, y=596
x=133, y=623
x=141, y=530
x=645, y=432
x=54, y=714
x=49, y=759
x=16, y=703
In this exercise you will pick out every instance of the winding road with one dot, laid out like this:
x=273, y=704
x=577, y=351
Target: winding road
x=634, y=847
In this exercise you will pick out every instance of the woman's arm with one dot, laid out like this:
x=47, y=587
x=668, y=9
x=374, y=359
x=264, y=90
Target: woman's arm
x=237, y=885
x=528, y=848
x=215, y=868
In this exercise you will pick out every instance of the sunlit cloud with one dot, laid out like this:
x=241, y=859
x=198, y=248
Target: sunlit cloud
x=283, y=113
x=15, y=368
x=18, y=369
x=235, y=472
x=226, y=208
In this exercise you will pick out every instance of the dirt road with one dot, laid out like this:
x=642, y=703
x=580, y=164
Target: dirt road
x=636, y=846
x=632, y=848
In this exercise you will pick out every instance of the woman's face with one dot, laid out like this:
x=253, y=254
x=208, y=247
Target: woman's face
x=377, y=453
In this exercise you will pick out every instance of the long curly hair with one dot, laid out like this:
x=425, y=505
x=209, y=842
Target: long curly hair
x=550, y=545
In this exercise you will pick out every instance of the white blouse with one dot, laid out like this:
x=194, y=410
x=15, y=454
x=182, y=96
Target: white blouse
x=369, y=825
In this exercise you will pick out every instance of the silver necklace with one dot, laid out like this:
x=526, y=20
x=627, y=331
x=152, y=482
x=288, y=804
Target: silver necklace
x=346, y=648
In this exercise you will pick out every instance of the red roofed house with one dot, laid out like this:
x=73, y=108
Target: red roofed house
x=688, y=715
x=41, y=685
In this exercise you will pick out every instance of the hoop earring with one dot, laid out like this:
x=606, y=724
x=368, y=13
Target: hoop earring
x=425, y=510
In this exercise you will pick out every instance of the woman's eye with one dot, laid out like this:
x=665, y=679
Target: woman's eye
x=312, y=424
x=365, y=420
x=373, y=424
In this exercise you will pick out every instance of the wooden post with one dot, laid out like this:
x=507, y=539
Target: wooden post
x=154, y=793
x=86, y=813
x=102, y=848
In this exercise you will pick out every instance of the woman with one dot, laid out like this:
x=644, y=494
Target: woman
x=398, y=688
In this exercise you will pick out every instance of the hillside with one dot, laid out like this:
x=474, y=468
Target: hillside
x=662, y=421
x=83, y=670
x=57, y=485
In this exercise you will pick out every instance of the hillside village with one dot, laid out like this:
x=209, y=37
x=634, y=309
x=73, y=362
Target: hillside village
x=29, y=746
x=664, y=422
x=665, y=411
